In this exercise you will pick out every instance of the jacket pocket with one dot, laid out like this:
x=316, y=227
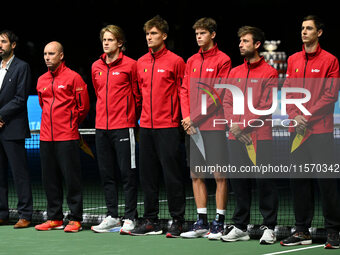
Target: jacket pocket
x=79, y=99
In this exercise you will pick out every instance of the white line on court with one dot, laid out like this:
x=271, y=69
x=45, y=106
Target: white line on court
x=299, y=249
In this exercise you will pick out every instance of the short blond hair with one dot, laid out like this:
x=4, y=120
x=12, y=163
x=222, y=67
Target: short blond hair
x=116, y=31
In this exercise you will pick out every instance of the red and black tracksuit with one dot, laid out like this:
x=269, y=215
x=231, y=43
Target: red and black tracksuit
x=203, y=70
x=64, y=101
x=117, y=112
x=160, y=75
x=262, y=78
x=319, y=73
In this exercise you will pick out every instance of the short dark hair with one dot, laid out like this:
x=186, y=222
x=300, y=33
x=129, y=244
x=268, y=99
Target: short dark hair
x=206, y=23
x=258, y=34
x=158, y=22
x=317, y=21
x=13, y=38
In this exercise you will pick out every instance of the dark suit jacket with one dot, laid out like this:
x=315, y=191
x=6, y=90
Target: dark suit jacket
x=13, y=101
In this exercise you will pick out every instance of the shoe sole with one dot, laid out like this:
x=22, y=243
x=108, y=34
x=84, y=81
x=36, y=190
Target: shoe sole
x=197, y=235
x=267, y=242
x=169, y=235
x=111, y=230
x=307, y=242
x=214, y=238
x=125, y=232
x=329, y=246
x=73, y=231
x=55, y=228
x=149, y=233
x=245, y=238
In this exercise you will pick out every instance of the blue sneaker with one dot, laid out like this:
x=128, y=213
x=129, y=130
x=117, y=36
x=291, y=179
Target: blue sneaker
x=216, y=230
x=199, y=229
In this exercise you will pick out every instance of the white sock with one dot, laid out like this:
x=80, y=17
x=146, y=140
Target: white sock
x=219, y=211
x=202, y=210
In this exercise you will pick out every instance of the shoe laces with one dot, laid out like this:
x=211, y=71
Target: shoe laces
x=333, y=236
x=216, y=227
x=198, y=225
x=263, y=227
x=72, y=222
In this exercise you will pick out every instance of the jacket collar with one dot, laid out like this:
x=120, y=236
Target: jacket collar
x=312, y=54
x=208, y=53
x=59, y=69
x=255, y=64
x=159, y=53
x=120, y=57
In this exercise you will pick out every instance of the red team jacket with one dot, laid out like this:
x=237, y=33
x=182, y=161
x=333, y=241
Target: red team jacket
x=65, y=103
x=324, y=92
x=160, y=76
x=261, y=77
x=118, y=98
x=202, y=71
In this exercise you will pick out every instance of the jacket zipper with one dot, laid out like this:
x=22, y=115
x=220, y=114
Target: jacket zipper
x=127, y=108
x=304, y=71
x=245, y=87
x=107, y=89
x=199, y=79
x=153, y=66
x=51, y=108
x=71, y=120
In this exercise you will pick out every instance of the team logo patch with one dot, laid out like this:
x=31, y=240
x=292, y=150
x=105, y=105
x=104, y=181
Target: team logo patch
x=296, y=70
x=145, y=70
x=44, y=89
x=100, y=73
x=194, y=70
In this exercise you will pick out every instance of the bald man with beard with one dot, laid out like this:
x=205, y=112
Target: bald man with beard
x=64, y=101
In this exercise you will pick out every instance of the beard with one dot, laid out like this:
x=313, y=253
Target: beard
x=248, y=54
x=4, y=54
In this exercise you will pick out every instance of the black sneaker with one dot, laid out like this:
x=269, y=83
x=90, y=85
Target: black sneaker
x=333, y=241
x=297, y=238
x=175, y=229
x=147, y=227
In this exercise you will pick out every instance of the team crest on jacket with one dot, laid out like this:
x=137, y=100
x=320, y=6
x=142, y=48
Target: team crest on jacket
x=145, y=70
x=194, y=70
x=100, y=73
x=296, y=70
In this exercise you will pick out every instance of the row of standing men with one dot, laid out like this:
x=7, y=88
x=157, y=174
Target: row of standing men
x=156, y=89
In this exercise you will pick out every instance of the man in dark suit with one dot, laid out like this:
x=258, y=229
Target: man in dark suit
x=15, y=81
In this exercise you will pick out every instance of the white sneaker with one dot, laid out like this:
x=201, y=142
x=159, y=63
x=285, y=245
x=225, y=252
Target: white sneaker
x=268, y=236
x=235, y=234
x=109, y=224
x=127, y=227
x=198, y=230
x=196, y=233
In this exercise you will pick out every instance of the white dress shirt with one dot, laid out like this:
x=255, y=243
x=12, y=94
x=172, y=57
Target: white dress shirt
x=4, y=70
